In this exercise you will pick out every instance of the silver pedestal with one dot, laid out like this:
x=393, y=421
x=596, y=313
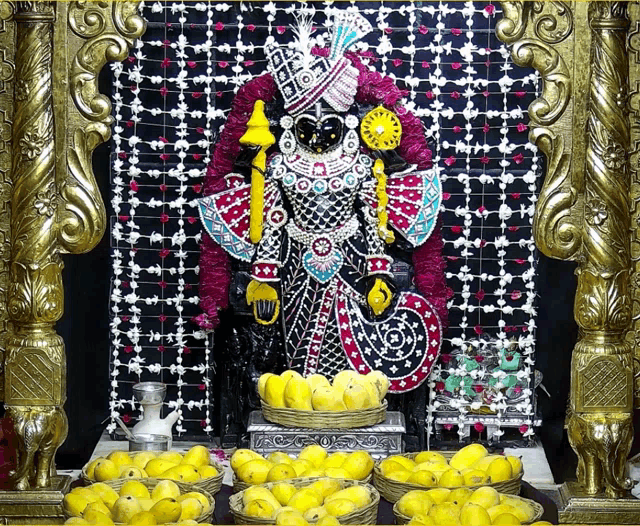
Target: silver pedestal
x=380, y=440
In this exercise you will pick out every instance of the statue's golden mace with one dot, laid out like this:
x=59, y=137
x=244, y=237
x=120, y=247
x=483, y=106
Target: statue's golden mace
x=257, y=134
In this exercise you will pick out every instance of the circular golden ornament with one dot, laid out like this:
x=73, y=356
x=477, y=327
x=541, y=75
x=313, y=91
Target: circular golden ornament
x=381, y=129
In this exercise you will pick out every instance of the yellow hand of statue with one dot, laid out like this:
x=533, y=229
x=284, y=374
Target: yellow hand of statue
x=379, y=297
x=264, y=298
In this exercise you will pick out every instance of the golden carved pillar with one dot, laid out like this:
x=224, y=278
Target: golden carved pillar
x=52, y=117
x=581, y=123
x=35, y=370
x=600, y=422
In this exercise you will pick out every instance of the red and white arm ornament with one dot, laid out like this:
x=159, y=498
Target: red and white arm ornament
x=379, y=264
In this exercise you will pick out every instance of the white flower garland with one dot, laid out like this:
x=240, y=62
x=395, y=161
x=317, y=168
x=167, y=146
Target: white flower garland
x=169, y=102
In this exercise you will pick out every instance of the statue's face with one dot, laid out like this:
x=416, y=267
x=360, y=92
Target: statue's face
x=319, y=134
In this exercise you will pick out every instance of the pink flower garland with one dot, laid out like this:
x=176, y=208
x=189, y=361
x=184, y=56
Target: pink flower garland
x=373, y=88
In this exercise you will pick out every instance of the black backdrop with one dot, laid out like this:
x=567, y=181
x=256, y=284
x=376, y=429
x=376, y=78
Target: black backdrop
x=85, y=329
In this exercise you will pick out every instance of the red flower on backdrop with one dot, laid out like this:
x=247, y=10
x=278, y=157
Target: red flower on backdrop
x=126, y=419
x=162, y=284
x=456, y=65
x=479, y=427
x=449, y=161
x=251, y=27
x=163, y=187
x=429, y=94
x=522, y=127
x=164, y=156
x=480, y=295
x=163, y=91
x=520, y=94
x=162, y=318
x=484, y=160
x=518, y=158
x=446, y=196
x=164, y=253
x=397, y=62
x=456, y=32
x=425, y=64
x=164, y=218
x=281, y=30
x=128, y=349
x=478, y=329
x=223, y=64
x=133, y=185
x=456, y=229
x=192, y=220
x=161, y=348
x=165, y=63
x=490, y=9
x=455, y=95
x=219, y=26
x=516, y=295
x=524, y=428
x=388, y=31
x=191, y=64
x=423, y=30
x=457, y=129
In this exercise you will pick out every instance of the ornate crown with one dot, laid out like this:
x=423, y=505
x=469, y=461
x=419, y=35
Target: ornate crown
x=303, y=78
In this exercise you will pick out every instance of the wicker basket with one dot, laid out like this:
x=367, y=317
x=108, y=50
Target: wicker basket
x=539, y=510
x=392, y=490
x=151, y=483
x=366, y=515
x=239, y=485
x=325, y=419
x=210, y=484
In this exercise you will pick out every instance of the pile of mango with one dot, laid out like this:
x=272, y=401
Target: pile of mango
x=322, y=502
x=464, y=507
x=348, y=390
x=191, y=467
x=471, y=466
x=313, y=461
x=134, y=504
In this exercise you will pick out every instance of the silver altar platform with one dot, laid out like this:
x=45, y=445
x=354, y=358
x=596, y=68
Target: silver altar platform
x=380, y=440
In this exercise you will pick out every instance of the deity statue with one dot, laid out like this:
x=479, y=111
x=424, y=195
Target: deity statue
x=321, y=209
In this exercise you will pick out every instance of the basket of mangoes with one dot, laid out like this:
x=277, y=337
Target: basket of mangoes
x=194, y=467
x=348, y=401
x=251, y=468
x=464, y=507
x=137, y=501
x=311, y=500
x=470, y=467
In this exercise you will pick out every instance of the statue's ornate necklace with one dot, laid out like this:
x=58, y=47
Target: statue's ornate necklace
x=324, y=165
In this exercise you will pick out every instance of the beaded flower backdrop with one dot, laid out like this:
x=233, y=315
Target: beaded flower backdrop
x=170, y=101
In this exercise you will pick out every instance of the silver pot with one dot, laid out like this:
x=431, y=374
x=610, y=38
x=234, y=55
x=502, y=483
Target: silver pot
x=150, y=443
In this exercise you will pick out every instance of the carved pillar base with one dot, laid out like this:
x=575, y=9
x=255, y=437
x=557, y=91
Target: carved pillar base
x=41, y=506
x=577, y=507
